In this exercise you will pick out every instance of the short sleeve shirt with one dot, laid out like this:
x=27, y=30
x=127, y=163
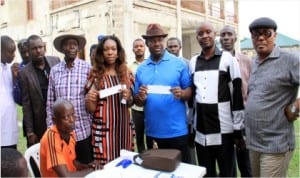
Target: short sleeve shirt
x=273, y=84
x=55, y=151
x=165, y=116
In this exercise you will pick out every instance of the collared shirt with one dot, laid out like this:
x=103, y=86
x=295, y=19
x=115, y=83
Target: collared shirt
x=185, y=60
x=8, y=108
x=219, y=102
x=55, y=151
x=17, y=92
x=273, y=84
x=165, y=116
x=43, y=78
x=133, y=67
x=245, y=68
x=68, y=83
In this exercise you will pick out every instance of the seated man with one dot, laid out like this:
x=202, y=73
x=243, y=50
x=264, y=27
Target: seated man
x=13, y=164
x=57, y=152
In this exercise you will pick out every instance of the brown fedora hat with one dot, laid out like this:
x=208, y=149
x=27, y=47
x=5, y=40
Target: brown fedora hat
x=154, y=30
x=60, y=39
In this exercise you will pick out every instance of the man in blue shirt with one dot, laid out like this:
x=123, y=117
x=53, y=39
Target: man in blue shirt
x=16, y=67
x=162, y=85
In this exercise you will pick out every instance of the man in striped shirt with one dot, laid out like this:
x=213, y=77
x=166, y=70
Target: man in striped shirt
x=272, y=103
x=57, y=150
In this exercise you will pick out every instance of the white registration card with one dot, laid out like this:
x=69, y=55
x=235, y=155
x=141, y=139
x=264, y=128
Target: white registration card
x=159, y=89
x=111, y=91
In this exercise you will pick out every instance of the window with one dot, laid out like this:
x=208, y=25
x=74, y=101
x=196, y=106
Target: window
x=55, y=4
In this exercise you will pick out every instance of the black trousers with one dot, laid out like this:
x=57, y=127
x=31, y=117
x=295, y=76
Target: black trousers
x=179, y=143
x=10, y=146
x=243, y=161
x=84, y=150
x=139, y=126
x=222, y=154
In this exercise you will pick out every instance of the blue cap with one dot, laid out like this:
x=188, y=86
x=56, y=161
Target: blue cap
x=100, y=37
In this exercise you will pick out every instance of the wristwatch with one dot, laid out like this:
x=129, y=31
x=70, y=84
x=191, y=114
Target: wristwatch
x=293, y=110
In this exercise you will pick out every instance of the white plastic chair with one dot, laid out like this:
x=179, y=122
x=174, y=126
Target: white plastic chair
x=32, y=156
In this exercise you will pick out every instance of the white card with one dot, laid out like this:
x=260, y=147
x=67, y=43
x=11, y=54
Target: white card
x=159, y=89
x=110, y=91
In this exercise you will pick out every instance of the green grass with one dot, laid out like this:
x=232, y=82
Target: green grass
x=22, y=140
x=293, y=170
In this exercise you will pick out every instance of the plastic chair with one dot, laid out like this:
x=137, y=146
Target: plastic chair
x=32, y=156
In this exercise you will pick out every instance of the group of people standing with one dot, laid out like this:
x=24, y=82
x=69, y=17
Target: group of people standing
x=220, y=102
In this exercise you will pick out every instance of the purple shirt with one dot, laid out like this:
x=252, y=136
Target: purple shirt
x=68, y=83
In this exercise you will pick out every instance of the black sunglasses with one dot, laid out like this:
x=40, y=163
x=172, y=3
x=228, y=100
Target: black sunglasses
x=255, y=34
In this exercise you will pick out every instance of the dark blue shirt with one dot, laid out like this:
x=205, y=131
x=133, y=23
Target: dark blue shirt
x=17, y=91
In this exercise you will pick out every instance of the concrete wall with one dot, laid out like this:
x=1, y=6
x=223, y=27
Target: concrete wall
x=127, y=19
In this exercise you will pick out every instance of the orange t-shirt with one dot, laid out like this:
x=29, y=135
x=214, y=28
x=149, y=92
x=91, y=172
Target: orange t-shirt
x=55, y=151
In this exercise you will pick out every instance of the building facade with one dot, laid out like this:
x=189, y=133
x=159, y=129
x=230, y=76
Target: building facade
x=285, y=42
x=127, y=19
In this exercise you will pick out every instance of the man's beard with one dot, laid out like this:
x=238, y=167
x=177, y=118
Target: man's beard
x=37, y=61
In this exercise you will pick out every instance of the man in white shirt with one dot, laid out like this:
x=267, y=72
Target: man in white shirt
x=137, y=112
x=8, y=108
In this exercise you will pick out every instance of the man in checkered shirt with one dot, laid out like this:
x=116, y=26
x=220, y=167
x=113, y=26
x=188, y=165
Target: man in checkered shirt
x=218, y=104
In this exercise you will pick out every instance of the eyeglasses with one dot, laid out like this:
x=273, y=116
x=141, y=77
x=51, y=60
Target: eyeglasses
x=255, y=34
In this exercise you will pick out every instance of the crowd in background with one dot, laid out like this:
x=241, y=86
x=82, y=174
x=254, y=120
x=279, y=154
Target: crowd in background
x=218, y=108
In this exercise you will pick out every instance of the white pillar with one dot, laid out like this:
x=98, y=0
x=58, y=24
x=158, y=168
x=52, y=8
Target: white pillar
x=128, y=29
x=207, y=10
x=178, y=19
